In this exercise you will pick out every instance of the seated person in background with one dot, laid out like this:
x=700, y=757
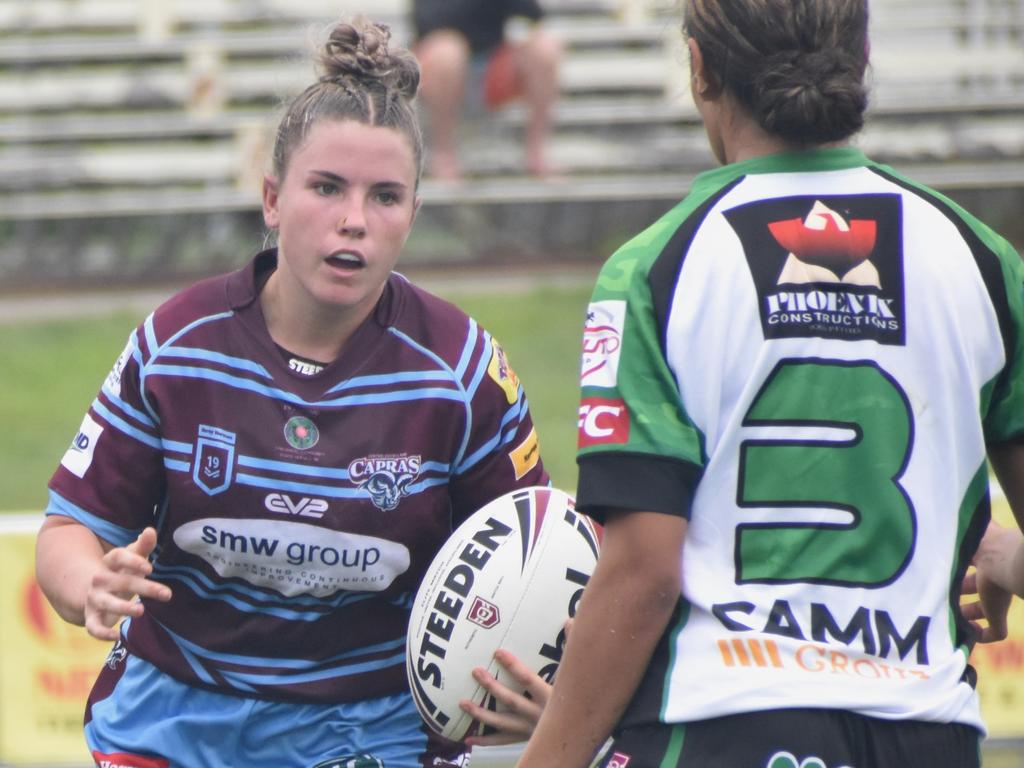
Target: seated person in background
x=472, y=58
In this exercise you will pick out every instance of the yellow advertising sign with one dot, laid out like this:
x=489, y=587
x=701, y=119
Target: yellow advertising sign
x=47, y=666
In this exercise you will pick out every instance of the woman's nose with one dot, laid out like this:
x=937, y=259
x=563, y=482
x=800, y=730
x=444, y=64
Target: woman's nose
x=352, y=222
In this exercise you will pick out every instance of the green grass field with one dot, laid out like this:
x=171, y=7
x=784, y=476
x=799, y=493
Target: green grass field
x=52, y=370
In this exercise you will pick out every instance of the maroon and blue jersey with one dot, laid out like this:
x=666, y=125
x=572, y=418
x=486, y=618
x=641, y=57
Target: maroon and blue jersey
x=296, y=508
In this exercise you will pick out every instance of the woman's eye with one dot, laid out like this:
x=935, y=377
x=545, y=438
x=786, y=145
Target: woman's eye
x=325, y=188
x=387, y=198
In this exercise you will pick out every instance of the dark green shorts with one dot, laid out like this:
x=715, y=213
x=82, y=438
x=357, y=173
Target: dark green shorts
x=796, y=738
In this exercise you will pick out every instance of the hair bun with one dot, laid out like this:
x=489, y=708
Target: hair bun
x=358, y=52
x=822, y=88
x=796, y=66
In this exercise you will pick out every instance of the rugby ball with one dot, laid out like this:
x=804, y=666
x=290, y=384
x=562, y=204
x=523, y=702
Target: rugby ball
x=508, y=577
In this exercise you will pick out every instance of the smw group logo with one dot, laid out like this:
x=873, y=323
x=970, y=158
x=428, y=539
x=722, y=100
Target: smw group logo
x=829, y=266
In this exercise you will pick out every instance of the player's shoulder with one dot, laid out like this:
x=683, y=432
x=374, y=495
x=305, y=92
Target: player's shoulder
x=194, y=308
x=202, y=299
x=628, y=267
x=426, y=317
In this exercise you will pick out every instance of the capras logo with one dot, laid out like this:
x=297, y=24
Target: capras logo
x=360, y=469
x=283, y=504
x=602, y=421
x=385, y=479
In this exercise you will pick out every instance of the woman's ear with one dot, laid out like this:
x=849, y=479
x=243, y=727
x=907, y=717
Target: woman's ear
x=271, y=215
x=702, y=84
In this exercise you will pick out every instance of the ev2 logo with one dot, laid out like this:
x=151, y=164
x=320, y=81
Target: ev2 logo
x=282, y=504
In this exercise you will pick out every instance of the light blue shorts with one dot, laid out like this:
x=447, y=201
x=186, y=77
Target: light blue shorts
x=150, y=720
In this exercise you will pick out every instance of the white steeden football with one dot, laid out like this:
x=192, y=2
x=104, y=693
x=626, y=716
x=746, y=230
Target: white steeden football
x=508, y=577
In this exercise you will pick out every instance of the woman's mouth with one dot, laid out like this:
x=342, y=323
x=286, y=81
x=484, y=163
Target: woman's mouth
x=346, y=260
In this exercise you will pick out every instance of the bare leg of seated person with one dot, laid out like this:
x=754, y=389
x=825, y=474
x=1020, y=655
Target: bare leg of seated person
x=538, y=62
x=444, y=60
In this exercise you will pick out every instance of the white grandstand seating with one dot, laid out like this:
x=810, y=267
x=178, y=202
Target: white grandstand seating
x=128, y=107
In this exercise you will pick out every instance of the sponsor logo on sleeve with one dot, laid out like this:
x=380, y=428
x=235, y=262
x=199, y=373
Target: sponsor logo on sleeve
x=525, y=456
x=502, y=374
x=113, y=381
x=78, y=457
x=829, y=267
x=602, y=343
x=602, y=422
x=619, y=760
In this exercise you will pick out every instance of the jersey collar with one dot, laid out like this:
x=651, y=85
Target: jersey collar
x=831, y=159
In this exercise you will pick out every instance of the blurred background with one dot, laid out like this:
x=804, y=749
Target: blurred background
x=133, y=137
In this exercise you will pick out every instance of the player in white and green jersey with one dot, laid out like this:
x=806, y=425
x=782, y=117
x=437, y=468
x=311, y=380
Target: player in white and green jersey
x=790, y=385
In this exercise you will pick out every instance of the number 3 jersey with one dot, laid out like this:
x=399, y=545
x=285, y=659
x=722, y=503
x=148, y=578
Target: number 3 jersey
x=296, y=508
x=807, y=358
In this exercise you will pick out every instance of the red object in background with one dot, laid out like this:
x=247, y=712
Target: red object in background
x=502, y=82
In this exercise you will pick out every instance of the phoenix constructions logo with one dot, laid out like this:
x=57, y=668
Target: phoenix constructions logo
x=829, y=266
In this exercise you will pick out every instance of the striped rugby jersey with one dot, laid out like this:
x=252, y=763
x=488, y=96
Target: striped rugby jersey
x=807, y=358
x=296, y=513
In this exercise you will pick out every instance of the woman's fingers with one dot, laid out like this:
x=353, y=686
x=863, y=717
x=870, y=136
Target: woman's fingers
x=117, y=585
x=536, y=686
x=144, y=545
x=521, y=702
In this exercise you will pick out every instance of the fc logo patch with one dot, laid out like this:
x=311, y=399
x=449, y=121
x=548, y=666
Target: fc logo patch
x=602, y=421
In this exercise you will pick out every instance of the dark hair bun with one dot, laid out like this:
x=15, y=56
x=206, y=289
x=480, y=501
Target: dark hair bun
x=810, y=95
x=358, y=52
x=797, y=66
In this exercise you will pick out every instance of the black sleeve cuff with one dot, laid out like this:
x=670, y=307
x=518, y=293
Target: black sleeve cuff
x=639, y=482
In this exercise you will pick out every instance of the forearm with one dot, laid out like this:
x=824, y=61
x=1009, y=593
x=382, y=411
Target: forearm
x=68, y=555
x=1001, y=554
x=624, y=611
x=1001, y=558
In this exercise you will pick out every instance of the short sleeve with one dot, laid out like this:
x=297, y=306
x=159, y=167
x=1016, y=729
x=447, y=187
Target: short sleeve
x=638, y=449
x=111, y=477
x=502, y=448
x=1004, y=415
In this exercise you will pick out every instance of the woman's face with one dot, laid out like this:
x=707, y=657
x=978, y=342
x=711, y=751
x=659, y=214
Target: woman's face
x=343, y=212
